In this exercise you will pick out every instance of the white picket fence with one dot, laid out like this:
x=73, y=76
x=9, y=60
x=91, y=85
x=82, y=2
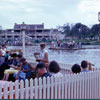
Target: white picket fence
x=80, y=86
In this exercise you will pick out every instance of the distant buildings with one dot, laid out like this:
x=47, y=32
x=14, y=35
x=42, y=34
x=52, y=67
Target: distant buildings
x=35, y=31
x=32, y=30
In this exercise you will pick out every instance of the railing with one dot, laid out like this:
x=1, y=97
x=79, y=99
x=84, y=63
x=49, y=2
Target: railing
x=80, y=86
x=65, y=68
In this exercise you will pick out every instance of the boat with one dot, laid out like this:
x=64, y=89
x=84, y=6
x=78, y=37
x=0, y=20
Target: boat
x=66, y=46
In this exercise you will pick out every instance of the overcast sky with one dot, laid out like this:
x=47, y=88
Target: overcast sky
x=50, y=12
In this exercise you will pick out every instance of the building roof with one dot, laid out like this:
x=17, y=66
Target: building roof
x=29, y=26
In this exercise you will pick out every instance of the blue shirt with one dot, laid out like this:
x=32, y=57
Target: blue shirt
x=46, y=75
x=26, y=67
x=85, y=70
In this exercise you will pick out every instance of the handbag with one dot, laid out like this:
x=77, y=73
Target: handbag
x=22, y=75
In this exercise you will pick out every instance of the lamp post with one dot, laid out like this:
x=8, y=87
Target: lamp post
x=99, y=22
x=23, y=28
x=51, y=31
x=99, y=16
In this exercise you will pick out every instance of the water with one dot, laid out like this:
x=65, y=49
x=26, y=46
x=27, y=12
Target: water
x=68, y=57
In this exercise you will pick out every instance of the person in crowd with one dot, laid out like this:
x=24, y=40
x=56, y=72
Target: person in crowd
x=86, y=66
x=7, y=56
x=25, y=71
x=54, y=69
x=3, y=53
x=42, y=71
x=43, y=55
x=76, y=68
x=58, y=43
x=79, y=45
x=14, y=60
x=3, y=50
x=14, y=65
x=3, y=64
x=1, y=59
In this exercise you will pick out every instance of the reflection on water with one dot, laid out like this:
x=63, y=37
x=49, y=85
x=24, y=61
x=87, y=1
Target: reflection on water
x=68, y=57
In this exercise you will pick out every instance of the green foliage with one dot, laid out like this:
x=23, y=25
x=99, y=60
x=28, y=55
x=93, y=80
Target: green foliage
x=95, y=29
x=80, y=30
x=66, y=29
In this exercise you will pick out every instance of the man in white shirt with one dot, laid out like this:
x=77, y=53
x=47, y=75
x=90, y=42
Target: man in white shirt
x=3, y=50
x=43, y=55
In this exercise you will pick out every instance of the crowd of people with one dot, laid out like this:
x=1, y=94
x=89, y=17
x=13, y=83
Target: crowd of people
x=84, y=67
x=13, y=66
x=67, y=45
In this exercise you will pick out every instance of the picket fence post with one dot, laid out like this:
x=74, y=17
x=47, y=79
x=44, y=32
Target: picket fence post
x=74, y=86
x=48, y=88
x=56, y=86
x=77, y=87
x=85, y=84
x=16, y=89
x=90, y=85
x=99, y=83
x=22, y=89
x=5, y=91
x=11, y=96
x=59, y=88
x=44, y=88
x=36, y=89
x=69, y=86
x=26, y=89
x=0, y=91
x=66, y=83
x=52, y=87
x=62, y=86
x=31, y=89
x=40, y=88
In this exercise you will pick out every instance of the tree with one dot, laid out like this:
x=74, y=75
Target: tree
x=80, y=30
x=95, y=30
x=66, y=29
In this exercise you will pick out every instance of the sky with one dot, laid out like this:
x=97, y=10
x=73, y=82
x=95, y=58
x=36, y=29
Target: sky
x=52, y=13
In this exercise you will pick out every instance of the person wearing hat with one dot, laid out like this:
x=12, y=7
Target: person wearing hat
x=42, y=71
x=43, y=55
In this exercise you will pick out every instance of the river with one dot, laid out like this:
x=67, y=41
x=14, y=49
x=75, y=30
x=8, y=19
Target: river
x=68, y=56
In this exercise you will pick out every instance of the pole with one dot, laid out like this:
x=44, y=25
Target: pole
x=23, y=47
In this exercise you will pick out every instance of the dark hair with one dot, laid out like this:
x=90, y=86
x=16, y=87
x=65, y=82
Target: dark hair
x=3, y=45
x=14, y=55
x=22, y=59
x=40, y=65
x=19, y=56
x=84, y=64
x=76, y=68
x=54, y=67
x=42, y=44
